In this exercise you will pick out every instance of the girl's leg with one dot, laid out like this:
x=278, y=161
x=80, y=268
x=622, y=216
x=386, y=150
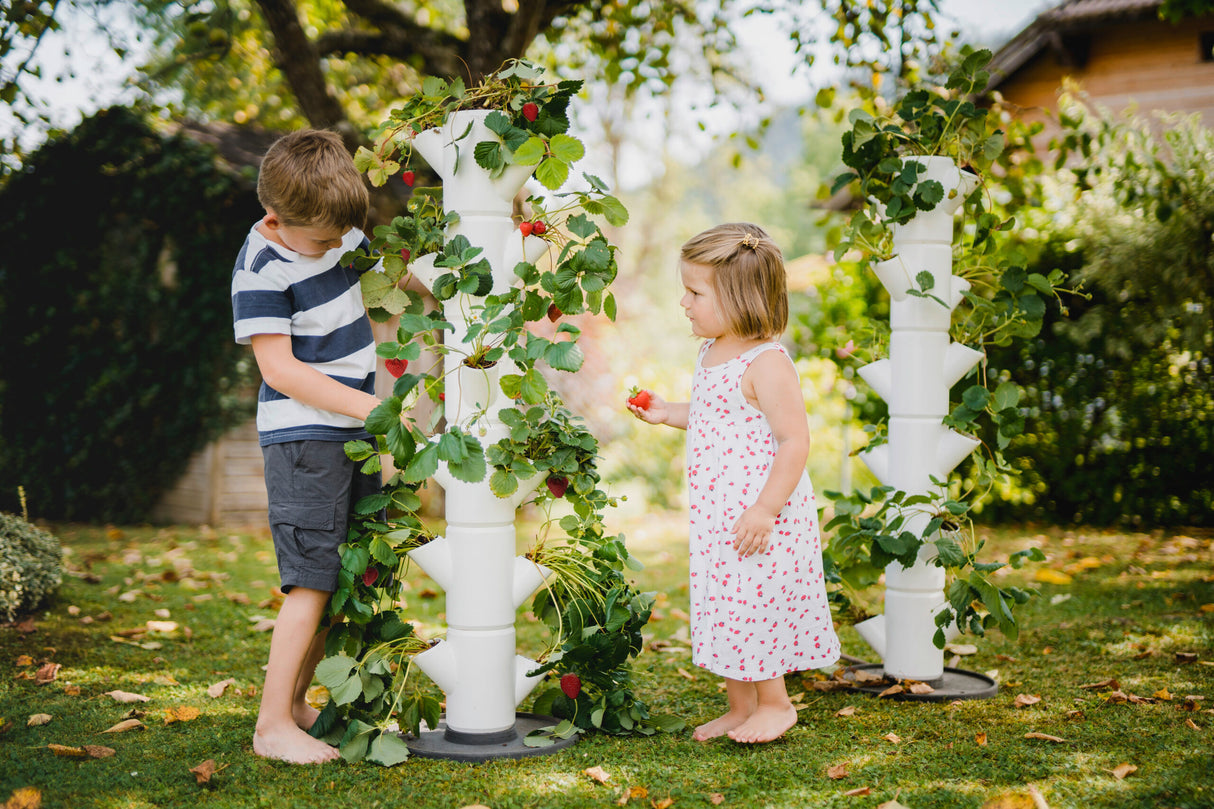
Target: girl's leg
x=742, y=703
x=278, y=734
x=773, y=715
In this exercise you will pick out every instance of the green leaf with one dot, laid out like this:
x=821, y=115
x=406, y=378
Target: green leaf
x=564, y=356
x=552, y=173
x=332, y=671
x=388, y=749
x=385, y=415
x=566, y=148
x=382, y=552
x=347, y=691
x=531, y=152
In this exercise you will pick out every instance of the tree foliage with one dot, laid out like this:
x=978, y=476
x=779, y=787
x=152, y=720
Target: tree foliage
x=118, y=358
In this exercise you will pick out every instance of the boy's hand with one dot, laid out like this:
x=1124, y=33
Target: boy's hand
x=752, y=531
x=652, y=409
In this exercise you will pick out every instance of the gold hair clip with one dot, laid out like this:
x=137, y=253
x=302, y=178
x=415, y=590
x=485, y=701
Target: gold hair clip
x=749, y=241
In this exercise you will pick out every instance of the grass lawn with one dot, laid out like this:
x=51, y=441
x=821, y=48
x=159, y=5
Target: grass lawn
x=1116, y=659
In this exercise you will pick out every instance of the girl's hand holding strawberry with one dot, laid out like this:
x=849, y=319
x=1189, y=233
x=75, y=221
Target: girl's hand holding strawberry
x=648, y=406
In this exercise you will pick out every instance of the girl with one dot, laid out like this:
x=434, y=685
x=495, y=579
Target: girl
x=758, y=599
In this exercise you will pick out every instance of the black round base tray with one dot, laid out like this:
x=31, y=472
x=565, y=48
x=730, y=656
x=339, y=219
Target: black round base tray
x=435, y=744
x=955, y=684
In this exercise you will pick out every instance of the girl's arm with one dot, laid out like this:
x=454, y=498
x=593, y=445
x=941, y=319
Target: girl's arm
x=660, y=411
x=771, y=384
x=286, y=374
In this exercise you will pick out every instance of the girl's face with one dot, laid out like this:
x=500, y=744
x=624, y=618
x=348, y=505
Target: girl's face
x=699, y=301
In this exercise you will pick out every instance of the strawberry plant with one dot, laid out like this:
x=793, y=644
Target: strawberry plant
x=593, y=612
x=1000, y=302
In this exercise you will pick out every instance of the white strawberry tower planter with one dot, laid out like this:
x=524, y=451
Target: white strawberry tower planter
x=914, y=381
x=475, y=563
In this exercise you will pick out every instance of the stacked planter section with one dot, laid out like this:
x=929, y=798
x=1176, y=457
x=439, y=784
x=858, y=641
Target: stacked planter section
x=476, y=666
x=915, y=380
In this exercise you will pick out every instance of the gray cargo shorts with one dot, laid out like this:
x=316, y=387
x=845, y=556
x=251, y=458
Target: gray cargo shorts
x=312, y=488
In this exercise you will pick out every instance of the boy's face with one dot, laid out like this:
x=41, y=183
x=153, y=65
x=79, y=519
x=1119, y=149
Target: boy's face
x=311, y=241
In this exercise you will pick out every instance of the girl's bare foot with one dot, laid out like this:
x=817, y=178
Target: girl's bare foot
x=765, y=724
x=719, y=726
x=292, y=745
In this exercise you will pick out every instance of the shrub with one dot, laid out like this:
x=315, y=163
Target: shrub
x=31, y=566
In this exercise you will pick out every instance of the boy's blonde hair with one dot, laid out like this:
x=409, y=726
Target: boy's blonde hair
x=308, y=179
x=747, y=275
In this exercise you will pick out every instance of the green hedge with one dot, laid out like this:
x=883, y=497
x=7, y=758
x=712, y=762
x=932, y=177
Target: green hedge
x=116, y=354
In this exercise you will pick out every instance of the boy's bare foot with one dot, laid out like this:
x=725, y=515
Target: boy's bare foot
x=719, y=726
x=293, y=746
x=304, y=715
x=765, y=724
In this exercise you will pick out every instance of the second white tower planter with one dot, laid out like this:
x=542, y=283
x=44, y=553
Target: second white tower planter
x=915, y=380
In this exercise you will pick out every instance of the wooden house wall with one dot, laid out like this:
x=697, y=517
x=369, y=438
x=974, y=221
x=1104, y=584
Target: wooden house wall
x=1149, y=65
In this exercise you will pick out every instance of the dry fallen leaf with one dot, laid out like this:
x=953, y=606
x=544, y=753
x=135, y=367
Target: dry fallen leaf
x=980, y=739
x=892, y=805
x=22, y=662
x=204, y=771
x=1122, y=770
x=716, y=799
x=921, y=688
x=1026, y=699
x=632, y=793
x=1189, y=723
x=66, y=751
x=665, y=803
x=685, y=674
x=125, y=725
x=850, y=710
x=862, y=676
x=892, y=737
x=962, y=649
x=97, y=751
x=1044, y=737
x=836, y=772
x=37, y=719
x=24, y=798
x=47, y=672
x=597, y=773
x=1163, y=694
x=858, y=792
x=216, y=690
x=183, y=713
x=162, y=626
x=891, y=691
x=127, y=696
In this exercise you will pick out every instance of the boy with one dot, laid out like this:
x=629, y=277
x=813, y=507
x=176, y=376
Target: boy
x=304, y=316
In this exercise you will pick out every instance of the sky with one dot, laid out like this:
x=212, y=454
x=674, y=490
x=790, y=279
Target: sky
x=100, y=79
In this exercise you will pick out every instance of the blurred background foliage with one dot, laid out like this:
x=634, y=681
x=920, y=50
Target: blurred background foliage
x=133, y=375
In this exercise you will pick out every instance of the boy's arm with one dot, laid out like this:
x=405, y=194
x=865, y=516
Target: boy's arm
x=283, y=372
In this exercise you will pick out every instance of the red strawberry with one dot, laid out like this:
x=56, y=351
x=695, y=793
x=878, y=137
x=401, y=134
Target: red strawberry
x=370, y=575
x=554, y=312
x=406, y=254
x=442, y=397
x=538, y=228
x=557, y=485
x=640, y=399
x=525, y=228
x=531, y=111
x=571, y=684
x=408, y=177
x=396, y=367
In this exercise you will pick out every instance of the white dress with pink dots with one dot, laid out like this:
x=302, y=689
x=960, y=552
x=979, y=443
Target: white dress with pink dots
x=765, y=615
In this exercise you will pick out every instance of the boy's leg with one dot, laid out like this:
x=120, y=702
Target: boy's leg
x=292, y=650
x=743, y=701
x=305, y=715
x=774, y=714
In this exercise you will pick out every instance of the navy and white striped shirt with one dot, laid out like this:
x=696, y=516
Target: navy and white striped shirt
x=319, y=303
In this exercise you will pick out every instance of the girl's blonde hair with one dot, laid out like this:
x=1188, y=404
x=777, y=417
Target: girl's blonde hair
x=308, y=179
x=747, y=275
